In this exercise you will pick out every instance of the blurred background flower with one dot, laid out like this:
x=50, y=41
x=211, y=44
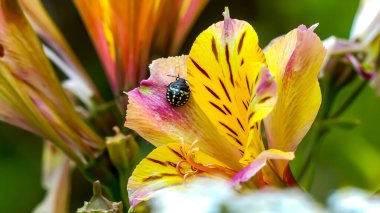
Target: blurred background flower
x=30, y=94
x=123, y=32
x=218, y=197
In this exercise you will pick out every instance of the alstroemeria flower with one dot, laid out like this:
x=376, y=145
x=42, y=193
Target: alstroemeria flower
x=31, y=96
x=366, y=28
x=234, y=86
x=63, y=56
x=364, y=38
x=123, y=32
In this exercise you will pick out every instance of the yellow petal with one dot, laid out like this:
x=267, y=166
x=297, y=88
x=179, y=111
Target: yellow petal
x=295, y=61
x=152, y=117
x=22, y=106
x=31, y=89
x=169, y=166
x=262, y=102
x=219, y=84
x=50, y=33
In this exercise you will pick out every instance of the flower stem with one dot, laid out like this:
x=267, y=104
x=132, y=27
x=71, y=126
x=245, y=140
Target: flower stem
x=123, y=180
x=349, y=100
x=308, y=169
x=101, y=169
x=318, y=131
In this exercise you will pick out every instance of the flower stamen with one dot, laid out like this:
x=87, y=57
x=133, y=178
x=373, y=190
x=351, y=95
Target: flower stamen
x=195, y=168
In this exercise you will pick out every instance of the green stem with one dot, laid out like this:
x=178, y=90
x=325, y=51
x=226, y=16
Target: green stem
x=308, y=169
x=99, y=170
x=91, y=179
x=123, y=179
x=310, y=165
x=349, y=100
x=317, y=133
x=105, y=116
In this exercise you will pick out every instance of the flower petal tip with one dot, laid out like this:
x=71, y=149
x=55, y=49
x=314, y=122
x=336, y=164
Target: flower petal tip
x=313, y=27
x=303, y=27
x=267, y=80
x=226, y=14
x=252, y=169
x=228, y=28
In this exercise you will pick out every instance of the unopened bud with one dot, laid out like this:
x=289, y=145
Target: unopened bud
x=99, y=204
x=123, y=150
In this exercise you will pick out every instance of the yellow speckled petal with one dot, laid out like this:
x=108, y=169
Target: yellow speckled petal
x=152, y=117
x=219, y=84
x=172, y=165
x=262, y=101
x=295, y=61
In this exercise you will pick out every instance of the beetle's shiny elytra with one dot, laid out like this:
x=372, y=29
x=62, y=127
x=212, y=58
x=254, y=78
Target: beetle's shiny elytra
x=178, y=92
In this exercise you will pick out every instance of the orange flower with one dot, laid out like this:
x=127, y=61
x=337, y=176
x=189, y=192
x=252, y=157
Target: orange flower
x=123, y=32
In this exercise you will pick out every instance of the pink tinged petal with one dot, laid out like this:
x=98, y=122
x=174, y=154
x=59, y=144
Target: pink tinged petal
x=295, y=61
x=152, y=117
x=336, y=46
x=266, y=95
x=359, y=68
x=228, y=25
x=264, y=99
x=261, y=160
x=50, y=33
x=313, y=27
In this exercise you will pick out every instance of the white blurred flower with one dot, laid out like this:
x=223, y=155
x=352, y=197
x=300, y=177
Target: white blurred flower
x=204, y=196
x=366, y=25
x=210, y=196
x=364, y=41
x=275, y=201
x=352, y=200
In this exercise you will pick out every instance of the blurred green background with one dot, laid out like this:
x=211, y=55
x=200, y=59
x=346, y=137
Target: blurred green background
x=348, y=157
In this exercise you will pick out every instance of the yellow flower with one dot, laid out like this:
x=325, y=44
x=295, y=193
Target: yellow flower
x=234, y=86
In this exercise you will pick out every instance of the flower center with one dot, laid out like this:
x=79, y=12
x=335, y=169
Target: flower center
x=188, y=167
